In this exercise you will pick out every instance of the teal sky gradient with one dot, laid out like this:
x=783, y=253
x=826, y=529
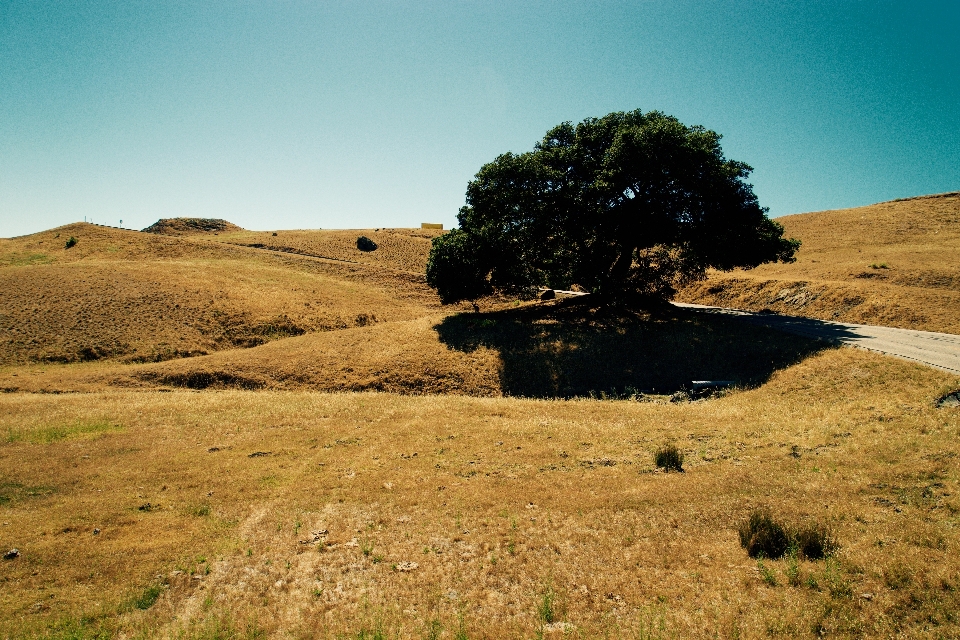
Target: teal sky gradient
x=279, y=115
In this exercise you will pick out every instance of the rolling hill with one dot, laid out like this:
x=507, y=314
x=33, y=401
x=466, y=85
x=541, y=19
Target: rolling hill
x=140, y=297
x=197, y=299
x=895, y=263
x=209, y=432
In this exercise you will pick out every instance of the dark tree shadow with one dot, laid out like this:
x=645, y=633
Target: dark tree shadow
x=569, y=348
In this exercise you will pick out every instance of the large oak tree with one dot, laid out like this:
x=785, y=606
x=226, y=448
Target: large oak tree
x=628, y=205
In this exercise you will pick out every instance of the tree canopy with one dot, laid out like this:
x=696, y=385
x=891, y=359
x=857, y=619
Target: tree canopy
x=630, y=204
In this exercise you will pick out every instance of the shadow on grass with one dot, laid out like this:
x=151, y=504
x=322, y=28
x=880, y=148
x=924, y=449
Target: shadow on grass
x=570, y=349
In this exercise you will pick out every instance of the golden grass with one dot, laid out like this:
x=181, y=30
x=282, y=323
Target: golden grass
x=451, y=509
x=558, y=349
x=500, y=502
x=47, y=433
x=139, y=297
x=894, y=263
x=401, y=249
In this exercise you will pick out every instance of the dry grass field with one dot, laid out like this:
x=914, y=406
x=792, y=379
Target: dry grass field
x=359, y=515
x=895, y=263
x=560, y=349
x=209, y=432
x=401, y=249
x=136, y=297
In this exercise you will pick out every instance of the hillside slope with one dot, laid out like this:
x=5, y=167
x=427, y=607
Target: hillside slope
x=546, y=350
x=358, y=320
x=119, y=294
x=895, y=263
x=401, y=249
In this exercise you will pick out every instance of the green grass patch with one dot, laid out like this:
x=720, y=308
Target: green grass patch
x=11, y=492
x=149, y=597
x=84, y=628
x=28, y=259
x=45, y=434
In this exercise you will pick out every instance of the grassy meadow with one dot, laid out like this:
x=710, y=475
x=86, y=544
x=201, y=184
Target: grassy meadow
x=304, y=514
x=217, y=433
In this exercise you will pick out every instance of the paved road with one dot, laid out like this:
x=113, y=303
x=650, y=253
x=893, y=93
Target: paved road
x=938, y=350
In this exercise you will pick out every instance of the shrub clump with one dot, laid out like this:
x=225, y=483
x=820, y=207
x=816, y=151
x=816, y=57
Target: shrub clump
x=764, y=537
x=366, y=244
x=669, y=458
x=815, y=542
x=71, y=241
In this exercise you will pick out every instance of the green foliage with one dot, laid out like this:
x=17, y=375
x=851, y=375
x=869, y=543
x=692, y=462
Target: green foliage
x=46, y=434
x=814, y=542
x=838, y=586
x=545, y=609
x=84, y=628
x=222, y=626
x=461, y=632
x=434, y=630
x=669, y=458
x=149, y=597
x=766, y=573
x=630, y=204
x=21, y=260
x=71, y=242
x=366, y=244
x=11, y=492
x=793, y=566
x=366, y=546
x=374, y=633
x=457, y=267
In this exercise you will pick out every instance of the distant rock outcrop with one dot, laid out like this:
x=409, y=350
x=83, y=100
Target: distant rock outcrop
x=190, y=226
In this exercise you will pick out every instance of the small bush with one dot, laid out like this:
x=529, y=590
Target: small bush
x=70, y=242
x=366, y=244
x=815, y=542
x=669, y=458
x=762, y=536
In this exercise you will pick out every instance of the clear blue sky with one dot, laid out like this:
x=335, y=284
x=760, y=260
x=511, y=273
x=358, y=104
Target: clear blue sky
x=278, y=115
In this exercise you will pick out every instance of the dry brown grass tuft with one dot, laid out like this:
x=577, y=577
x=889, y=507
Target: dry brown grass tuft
x=894, y=263
x=314, y=515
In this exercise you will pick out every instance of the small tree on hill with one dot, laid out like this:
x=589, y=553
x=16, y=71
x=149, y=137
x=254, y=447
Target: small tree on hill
x=627, y=205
